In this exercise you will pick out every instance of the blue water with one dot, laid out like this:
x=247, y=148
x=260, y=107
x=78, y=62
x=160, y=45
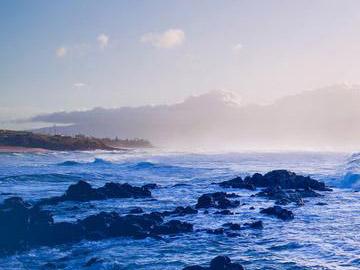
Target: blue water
x=320, y=237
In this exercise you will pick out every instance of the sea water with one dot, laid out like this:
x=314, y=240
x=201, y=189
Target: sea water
x=320, y=237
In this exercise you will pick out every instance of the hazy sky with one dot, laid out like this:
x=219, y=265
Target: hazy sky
x=66, y=55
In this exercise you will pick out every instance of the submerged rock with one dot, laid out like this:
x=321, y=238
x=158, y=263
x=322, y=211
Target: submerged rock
x=218, y=263
x=136, y=210
x=278, y=212
x=217, y=200
x=83, y=192
x=92, y=261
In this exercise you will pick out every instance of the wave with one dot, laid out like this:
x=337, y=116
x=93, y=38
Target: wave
x=96, y=161
x=350, y=180
x=144, y=165
x=69, y=163
x=147, y=165
x=49, y=177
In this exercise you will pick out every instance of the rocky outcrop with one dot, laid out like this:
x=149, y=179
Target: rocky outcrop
x=282, y=178
x=83, y=192
x=217, y=200
x=238, y=182
x=24, y=226
x=278, y=212
x=218, y=263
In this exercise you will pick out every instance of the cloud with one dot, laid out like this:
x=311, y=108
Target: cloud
x=79, y=84
x=237, y=48
x=168, y=39
x=103, y=40
x=61, y=52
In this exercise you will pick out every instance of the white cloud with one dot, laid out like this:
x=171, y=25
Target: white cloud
x=79, y=84
x=168, y=39
x=238, y=47
x=103, y=40
x=61, y=52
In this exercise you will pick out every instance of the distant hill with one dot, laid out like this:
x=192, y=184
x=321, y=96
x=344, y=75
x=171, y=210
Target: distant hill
x=64, y=143
x=325, y=118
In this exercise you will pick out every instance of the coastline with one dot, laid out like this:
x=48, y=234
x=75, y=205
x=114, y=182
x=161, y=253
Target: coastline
x=19, y=149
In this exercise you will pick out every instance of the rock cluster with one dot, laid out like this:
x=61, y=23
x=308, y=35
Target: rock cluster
x=83, y=192
x=282, y=178
x=25, y=226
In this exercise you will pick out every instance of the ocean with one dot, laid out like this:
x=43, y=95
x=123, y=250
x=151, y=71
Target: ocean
x=319, y=237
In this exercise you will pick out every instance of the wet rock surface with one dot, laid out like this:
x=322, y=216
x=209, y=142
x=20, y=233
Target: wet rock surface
x=282, y=178
x=24, y=226
x=218, y=263
x=278, y=212
x=83, y=192
x=218, y=200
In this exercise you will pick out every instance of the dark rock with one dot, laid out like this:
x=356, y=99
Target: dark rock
x=215, y=231
x=195, y=267
x=134, y=225
x=283, y=178
x=150, y=186
x=116, y=190
x=278, y=212
x=97, y=226
x=205, y=201
x=218, y=263
x=233, y=226
x=83, y=192
x=238, y=182
x=217, y=200
x=136, y=210
x=321, y=203
x=24, y=226
x=49, y=265
x=172, y=227
x=92, y=261
x=282, y=197
x=308, y=193
x=63, y=232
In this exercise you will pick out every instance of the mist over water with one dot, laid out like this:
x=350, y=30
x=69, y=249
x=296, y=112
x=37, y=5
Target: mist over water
x=320, y=237
x=319, y=120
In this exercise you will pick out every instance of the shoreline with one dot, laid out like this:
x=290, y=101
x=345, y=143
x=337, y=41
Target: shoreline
x=19, y=149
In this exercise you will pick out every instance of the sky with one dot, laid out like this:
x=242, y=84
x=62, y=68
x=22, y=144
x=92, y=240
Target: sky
x=74, y=55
